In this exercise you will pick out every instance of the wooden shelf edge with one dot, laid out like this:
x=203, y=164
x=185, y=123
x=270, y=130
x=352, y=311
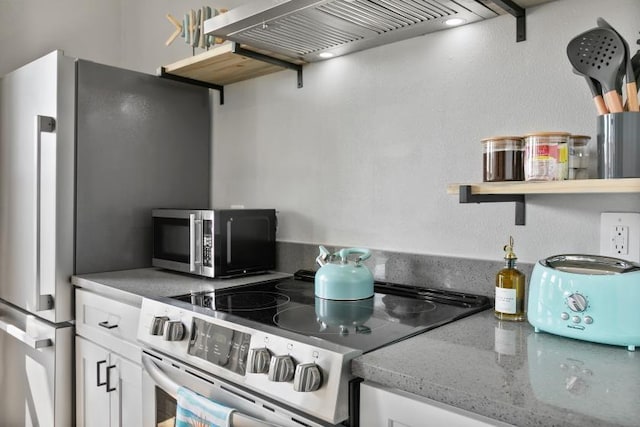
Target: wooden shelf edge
x=580, y=186
x=199, y=58
x=221, y=65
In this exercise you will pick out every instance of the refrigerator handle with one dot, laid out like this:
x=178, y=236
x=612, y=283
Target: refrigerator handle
x=43, y=124
x=23, y=337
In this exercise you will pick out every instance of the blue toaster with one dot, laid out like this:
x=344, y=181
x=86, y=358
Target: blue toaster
x=586, y=297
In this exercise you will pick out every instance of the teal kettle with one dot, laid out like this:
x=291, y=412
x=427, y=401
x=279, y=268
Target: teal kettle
x=341, y=279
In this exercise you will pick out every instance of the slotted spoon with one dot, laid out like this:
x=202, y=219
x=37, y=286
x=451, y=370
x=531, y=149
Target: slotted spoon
x=599, y=54
x=596, y=93
x=632, y=90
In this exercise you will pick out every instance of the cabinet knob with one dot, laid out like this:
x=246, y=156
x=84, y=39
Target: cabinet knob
x=307, y=377
x=174, y=330
x=259, y=359
x=281, y=368
x=157, y=325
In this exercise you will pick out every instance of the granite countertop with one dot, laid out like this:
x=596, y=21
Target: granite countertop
x=132, y=285
x=506, y=371
x=502, y=370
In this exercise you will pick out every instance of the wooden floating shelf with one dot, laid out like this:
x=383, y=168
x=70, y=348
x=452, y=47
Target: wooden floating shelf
x=578, y=186
x=228, y=63
x=498, y=192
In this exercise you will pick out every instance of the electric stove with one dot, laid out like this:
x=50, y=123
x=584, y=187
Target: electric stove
x=394, y=313
x=277, y=339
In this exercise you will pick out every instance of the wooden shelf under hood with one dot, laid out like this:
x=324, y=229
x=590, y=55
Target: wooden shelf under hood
x=228, y=63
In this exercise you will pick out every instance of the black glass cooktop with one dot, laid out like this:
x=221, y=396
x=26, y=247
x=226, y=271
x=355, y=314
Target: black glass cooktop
x=395, y=312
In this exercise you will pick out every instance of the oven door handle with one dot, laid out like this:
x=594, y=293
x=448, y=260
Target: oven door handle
x=171, y=388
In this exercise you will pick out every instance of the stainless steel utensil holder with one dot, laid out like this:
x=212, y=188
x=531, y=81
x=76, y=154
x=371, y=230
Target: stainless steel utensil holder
x=618, y=145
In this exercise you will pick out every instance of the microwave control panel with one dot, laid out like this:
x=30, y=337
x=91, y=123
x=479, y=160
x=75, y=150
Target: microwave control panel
x=207, y=244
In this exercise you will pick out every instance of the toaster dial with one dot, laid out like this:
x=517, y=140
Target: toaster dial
x=577, y=302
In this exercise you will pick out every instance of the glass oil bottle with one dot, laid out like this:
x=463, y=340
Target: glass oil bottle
x=510, y=288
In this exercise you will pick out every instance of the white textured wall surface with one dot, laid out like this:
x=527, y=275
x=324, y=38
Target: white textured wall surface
x=90, y=29
x=362, y=155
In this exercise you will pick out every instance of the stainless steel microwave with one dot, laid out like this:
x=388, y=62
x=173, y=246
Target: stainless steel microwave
x=214, y=243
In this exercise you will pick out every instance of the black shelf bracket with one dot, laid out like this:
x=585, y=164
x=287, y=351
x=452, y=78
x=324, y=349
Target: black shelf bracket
x=269, y=59
x=219, y=88
x=466, y=196
x=519, y=13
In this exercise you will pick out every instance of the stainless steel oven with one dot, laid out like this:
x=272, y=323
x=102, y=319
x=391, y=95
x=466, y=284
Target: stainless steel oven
x=163, y=375
x=214, y=243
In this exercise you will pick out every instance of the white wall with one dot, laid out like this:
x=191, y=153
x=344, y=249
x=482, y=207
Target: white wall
x=126, y=33
x=363, y=153
x=85, y=28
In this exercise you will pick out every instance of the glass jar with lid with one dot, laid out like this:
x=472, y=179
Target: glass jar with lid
x=503, y=158
x=579, y=156
x=546, y=156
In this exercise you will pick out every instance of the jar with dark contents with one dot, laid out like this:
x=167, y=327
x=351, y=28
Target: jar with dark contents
x=503, y=158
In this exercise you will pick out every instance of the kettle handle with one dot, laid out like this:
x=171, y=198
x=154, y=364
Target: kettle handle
x=324, y=256
x=364, y=254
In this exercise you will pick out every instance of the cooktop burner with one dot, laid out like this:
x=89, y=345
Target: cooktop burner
x=395, y=311
x=239, y=301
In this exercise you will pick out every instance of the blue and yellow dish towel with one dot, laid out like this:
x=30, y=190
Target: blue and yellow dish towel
x=198, y=411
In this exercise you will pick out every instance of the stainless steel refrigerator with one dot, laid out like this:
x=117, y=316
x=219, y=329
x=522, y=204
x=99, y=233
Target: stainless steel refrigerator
x=86, y=152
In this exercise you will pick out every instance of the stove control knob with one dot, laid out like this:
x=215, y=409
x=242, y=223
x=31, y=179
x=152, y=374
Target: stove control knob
x=157, y=325
x=577, y=302
x=259, y=359
x=307, y=377
x=281, y=368
x=174, y=330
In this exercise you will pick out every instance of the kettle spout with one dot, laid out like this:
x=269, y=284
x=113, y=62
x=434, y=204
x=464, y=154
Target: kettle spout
x=323, y=258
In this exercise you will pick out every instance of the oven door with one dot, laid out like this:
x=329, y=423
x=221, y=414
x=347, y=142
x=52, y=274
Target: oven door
x=163, y=375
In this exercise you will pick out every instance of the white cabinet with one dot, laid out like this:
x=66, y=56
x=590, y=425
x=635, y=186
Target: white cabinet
x=384, y=407
x=108, y=384
x=92, y=399
x=109, y=387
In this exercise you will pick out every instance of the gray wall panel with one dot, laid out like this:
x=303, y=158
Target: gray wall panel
x=142, y=143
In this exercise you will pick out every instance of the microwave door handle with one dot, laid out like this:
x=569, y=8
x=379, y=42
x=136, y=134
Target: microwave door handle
x=42, y=124
x=198, y=242
x=171, y=388
x=192, y=242
x=229, y=242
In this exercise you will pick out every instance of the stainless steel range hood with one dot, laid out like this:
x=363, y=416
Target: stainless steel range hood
x=305, y=29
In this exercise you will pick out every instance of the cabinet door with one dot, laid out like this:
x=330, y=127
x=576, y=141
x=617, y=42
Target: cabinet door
x=92, y=400
x=383, y=407
x=126, y=400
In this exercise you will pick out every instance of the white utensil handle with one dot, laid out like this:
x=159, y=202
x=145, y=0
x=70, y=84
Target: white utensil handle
x=23, y=337
x=42, y=124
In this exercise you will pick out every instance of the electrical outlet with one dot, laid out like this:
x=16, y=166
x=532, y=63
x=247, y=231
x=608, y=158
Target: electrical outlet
x=620, y=240
x=620, y=235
